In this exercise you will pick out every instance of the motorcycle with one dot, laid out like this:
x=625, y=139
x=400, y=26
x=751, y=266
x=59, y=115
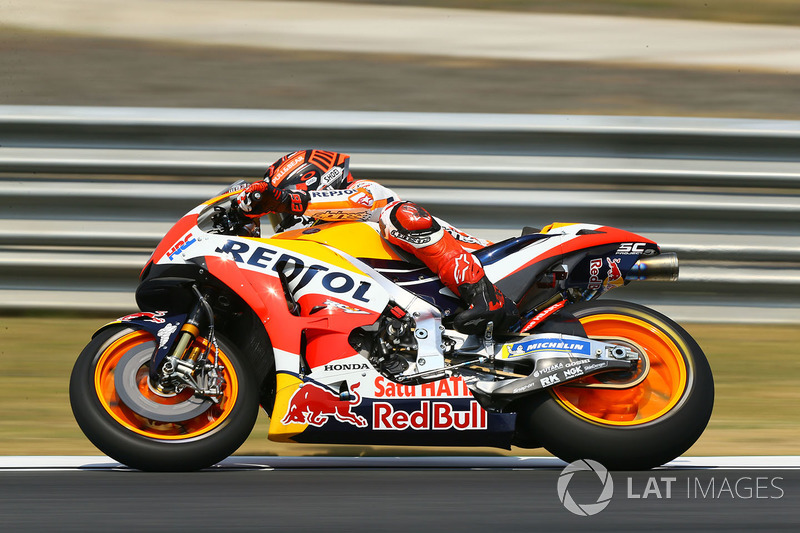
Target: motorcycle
x=344, y=339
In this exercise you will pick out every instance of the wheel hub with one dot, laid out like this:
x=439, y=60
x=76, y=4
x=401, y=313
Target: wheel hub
x=126, y=382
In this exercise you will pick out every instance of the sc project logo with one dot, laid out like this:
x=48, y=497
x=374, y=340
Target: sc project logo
x=586, y=509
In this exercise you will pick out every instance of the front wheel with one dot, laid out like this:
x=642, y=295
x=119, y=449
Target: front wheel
x=628, y=421
x=143, y=427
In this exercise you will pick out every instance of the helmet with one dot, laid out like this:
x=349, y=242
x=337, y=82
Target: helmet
x=311, y=170
x=307, y=170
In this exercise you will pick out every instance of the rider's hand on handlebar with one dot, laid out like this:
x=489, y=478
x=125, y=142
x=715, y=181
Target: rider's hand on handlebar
x=263, y=197
x=249, y=200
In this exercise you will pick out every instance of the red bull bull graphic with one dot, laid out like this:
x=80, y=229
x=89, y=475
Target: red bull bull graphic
x=156, y=317
x=614, y=273
x=314, y=405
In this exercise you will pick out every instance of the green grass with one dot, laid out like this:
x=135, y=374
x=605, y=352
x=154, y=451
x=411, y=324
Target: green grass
x=755, y=369
x=755, y=372
x=750, y=11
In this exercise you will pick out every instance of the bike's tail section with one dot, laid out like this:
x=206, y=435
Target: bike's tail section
x=588, y=258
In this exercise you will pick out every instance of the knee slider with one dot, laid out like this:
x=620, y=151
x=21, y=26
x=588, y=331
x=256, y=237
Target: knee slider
x=409, y=223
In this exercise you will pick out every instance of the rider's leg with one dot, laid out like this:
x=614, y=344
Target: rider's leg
x=413, y=229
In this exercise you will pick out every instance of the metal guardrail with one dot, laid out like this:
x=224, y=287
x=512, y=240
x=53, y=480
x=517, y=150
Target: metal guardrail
x=432, y=133
x=85, y=193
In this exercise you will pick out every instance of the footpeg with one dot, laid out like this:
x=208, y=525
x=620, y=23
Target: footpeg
x=488, y=341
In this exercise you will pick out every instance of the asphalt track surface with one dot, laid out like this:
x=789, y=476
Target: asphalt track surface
x=395, y=494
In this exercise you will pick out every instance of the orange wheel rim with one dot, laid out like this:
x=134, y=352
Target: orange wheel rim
x=660, y=390
x=186, y=429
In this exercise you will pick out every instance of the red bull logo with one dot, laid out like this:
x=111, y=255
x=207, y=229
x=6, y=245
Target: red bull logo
x=430, y=416
x=594, y=274
x=614, y=273
x=314, y=405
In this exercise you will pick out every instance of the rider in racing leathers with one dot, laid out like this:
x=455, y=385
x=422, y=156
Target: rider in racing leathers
x=319, y=185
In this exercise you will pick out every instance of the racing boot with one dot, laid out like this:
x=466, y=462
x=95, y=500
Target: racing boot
x=486, y=304
x=413, y=229
x=462, y=273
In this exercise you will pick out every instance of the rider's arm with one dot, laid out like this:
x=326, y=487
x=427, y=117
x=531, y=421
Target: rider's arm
x=362, y=200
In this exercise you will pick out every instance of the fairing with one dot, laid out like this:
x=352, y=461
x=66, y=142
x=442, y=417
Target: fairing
x=310, y=297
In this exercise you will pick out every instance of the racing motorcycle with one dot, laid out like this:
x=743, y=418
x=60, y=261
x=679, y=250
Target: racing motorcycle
x=310, y=324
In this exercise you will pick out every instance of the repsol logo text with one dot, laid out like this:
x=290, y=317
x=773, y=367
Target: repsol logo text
x=294, y=268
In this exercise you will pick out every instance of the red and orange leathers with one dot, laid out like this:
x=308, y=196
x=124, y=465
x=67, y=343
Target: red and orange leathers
x=318, y=184
x=441, y=247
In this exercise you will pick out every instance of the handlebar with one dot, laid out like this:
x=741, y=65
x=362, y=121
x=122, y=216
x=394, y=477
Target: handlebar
x=231, y=221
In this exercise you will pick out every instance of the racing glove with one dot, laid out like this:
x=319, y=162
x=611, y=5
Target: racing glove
x=262, y=197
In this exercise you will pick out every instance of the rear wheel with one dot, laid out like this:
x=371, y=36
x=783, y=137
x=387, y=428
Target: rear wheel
x=148, y=428
x=634, y=420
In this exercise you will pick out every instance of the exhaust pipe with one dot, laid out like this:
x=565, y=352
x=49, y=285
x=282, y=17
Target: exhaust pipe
x=662, y=267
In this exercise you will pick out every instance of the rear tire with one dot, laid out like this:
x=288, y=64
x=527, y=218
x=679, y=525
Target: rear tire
x=183, y=433
x=637, y=427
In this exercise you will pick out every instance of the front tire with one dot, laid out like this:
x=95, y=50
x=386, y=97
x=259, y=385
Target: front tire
x=636, y=425
x=146, y=429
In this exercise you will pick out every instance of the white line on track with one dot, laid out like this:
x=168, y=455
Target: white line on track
x=101, y=462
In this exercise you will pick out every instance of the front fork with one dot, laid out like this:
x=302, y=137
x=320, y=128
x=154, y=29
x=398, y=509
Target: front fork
x=180, y=366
